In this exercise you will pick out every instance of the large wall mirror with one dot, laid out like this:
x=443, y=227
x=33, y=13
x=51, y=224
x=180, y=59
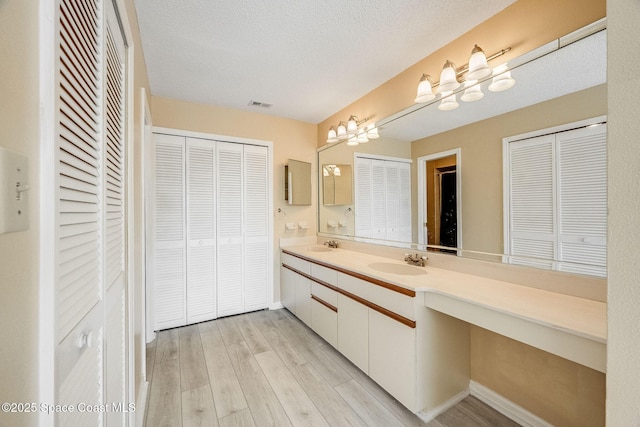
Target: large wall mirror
x=559, y=83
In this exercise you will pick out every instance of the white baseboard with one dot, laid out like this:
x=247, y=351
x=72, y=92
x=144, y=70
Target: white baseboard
x=141, y=403
x=506, y=407
x=432, y=414
x=276, y=306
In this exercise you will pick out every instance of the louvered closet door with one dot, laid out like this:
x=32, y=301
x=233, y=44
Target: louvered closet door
x=378, y=196
x=201, y=230
x=90, y=278
x=230, y=220
x=532, y=213
x=256, y=227
x=583, y=200
x=404, y=220
x=392, y=200
x=168, y=263
x=79, y=308
x=362, y=192
x=114, y=208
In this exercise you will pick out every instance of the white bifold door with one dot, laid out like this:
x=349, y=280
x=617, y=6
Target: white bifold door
x=90, y=286
x=210, y=251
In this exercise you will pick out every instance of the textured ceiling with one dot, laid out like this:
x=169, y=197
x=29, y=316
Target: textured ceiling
x=308, y=58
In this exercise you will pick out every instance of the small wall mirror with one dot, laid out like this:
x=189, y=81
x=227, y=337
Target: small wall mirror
x=337, y=184
x=297, y=183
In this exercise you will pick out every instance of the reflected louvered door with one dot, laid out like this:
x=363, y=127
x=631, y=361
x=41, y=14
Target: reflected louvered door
x=404, y=202
x=582, y=193
x=378, y=197
x=392, y=201
x=229, y=229
x=362, y=190
x=201, y=232
x=532, y=211
x=168, y=256
x=256, y=228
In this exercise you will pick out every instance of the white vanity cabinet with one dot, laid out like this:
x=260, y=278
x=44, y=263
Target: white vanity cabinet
x=353, y=332
x=324, y=303
x=296, y=286
x=419, y=356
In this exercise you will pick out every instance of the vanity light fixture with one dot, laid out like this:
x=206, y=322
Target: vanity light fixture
x=353, y=132
x=448, y=101
x=425, y=89
x=502, y=79
x=473, y=91
x=448, y=78
x=333, y=135
x=451, y=77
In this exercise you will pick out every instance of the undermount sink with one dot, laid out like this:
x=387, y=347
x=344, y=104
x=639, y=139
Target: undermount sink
x=318, y=249
x=400, y=269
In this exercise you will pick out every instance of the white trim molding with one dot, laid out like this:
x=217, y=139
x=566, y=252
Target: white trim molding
x=506, y=407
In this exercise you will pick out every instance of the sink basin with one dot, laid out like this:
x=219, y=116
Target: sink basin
x=401, y=269
x=318, y=249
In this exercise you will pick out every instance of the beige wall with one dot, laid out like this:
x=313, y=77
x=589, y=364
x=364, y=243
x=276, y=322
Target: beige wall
x=481, y=155
x=19, y=251
x=524, y=25
x=561, y=392
x=623, y=346
x=291, y=140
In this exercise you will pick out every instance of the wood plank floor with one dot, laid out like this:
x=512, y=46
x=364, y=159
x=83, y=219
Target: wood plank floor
x=267, y=368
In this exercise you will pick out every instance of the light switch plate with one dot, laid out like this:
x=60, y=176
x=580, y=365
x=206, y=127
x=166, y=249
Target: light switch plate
x=14, y=203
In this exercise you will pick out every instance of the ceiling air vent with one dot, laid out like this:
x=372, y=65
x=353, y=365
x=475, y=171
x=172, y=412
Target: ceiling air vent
x=259, y=104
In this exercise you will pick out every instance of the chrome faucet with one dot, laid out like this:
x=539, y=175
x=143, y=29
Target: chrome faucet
x=331, y=244
x=416, y=259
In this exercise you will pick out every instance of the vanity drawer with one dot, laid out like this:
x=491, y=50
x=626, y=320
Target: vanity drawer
x=394, y=301
x=324, y=293
x=325, y=274
x=295, y=262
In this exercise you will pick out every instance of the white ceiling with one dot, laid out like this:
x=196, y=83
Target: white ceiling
x=308, y=58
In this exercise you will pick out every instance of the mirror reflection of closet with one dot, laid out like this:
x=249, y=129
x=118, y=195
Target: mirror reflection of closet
x=337, y=185
x=297, y=183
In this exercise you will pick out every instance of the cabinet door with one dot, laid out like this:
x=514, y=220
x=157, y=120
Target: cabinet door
x=303, y=298
x=201, y=231
x=392, y=358
x=353, y=331
x=287, y=289
x=324, y=321
x=230, y=215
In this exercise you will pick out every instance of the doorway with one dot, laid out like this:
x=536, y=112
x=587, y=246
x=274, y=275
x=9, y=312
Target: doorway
x=439, y=204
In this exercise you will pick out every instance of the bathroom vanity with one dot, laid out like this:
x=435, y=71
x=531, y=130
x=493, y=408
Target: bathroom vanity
x=407, y=327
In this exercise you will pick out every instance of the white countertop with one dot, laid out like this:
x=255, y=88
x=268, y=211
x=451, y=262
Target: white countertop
x=579, y=317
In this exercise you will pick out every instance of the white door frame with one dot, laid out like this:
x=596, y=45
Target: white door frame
x=422, y=188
